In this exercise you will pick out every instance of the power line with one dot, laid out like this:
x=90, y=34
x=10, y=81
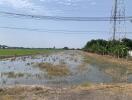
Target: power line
x=62, y=18
x=58, y=31
x=47, y=30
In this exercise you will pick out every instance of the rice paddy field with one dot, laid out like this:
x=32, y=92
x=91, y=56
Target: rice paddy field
x=55, y=75
x=21, y=52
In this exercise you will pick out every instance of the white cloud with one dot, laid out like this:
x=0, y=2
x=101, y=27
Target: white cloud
x=62, y=2
x=45, y=7
x=24, y=5
x=70, y=2
x=18, y=3
x=92, y=2
x=30, y=4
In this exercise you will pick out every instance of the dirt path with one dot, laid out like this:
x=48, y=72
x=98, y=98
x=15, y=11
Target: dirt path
x=91, y=92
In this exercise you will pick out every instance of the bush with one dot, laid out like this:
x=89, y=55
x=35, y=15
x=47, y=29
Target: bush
x=114, y=48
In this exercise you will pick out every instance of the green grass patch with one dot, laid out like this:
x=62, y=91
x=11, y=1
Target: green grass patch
x=20, y=52
x=86, y=84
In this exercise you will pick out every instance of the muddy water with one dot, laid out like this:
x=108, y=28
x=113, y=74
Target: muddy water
x=23, y=70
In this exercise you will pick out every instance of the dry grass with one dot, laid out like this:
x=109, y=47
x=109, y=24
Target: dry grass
x=24, y=92
x=82, y=67
x=110, y=59
x=95, y=91
x=54, y=70
x=6, y=97
x=115, y=88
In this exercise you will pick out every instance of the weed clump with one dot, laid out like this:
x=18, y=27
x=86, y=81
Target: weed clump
x=54, y=70
x=13, y=74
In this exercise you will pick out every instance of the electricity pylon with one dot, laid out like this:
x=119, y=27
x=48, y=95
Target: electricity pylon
x=118, y=19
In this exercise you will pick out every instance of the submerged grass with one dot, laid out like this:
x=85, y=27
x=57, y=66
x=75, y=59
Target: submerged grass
x=12, y=74
x=54, y=70
x=116, y=69
x=86, y=84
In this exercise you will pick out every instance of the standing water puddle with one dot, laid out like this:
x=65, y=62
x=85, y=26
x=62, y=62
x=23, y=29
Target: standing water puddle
x=24, y=70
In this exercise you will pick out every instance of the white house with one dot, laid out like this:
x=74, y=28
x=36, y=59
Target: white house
x=130, y=53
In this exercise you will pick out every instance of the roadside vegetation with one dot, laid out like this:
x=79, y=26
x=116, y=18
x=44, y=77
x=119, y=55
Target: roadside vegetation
x=114, y=48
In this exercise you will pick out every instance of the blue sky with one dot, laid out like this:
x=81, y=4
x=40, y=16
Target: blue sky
x=72, y=8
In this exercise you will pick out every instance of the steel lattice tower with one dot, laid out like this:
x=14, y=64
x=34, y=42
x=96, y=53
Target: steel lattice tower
x=118, y=19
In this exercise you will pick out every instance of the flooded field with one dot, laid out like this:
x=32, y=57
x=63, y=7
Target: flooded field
x=60, y=68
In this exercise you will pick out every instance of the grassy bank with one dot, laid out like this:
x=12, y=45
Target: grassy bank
x=107, y=60
x=21, y=52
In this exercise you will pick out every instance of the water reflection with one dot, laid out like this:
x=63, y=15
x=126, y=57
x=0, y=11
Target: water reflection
x=21, y=70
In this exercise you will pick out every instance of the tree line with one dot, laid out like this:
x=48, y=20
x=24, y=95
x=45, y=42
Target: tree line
x=114, y=48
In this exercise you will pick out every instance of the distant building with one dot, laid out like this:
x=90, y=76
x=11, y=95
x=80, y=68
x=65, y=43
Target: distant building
x=3, y=47
x=54, y=47
x=66, y=48
x=130, y=53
